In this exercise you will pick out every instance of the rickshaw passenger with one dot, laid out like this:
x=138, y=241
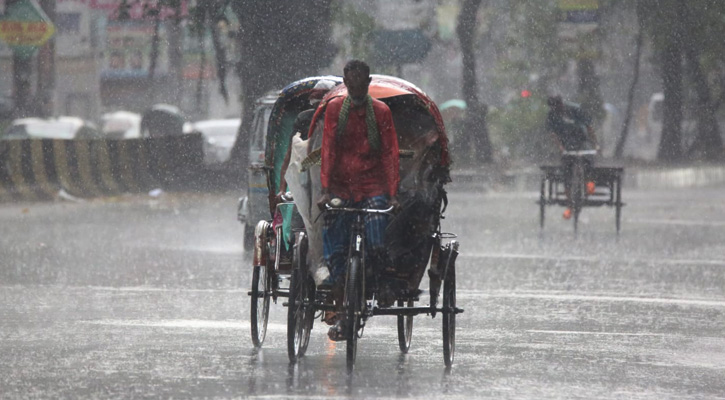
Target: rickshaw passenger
x=360, y=166
x=301, y=126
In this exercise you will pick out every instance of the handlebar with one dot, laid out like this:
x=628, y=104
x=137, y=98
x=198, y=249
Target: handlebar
x=287, y=197
x=579, y=153
x=388, y=210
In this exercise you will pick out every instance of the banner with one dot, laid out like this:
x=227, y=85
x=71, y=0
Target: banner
x=25, y=25
x=128, y=51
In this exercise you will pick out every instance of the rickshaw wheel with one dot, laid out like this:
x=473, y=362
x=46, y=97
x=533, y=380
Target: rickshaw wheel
x=449, y=316
x=260, y=304
x=296, y=321
x=300, y=262
x=353, y=306
x=618, y=210
x=542, y=203
x=577, y=191
x=405, y=328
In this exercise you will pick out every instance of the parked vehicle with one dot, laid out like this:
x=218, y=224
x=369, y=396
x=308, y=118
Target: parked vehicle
x=162, y=120
x=121, y=125
x=51, y=128
x=219, y=137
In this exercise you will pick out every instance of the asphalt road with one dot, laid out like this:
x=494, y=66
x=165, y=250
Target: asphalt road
x=134, y=297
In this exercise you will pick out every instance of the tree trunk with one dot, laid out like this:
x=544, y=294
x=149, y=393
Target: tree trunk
x=175, y=56
x=271, y=57
x=619, y=149
x=154, y=57
x=475, y=130
x=221, y=61
x=670, y=147
x=708, y=144
x=589, y=94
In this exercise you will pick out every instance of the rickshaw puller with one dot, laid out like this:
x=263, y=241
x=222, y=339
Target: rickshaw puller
x=571, y=128
x=360, y=166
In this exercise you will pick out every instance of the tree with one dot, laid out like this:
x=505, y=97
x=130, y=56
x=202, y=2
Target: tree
x=280, y=41
x=474, y=126
x=619, y=149
x=664, y=26
x=708, y=144
x=158, y=11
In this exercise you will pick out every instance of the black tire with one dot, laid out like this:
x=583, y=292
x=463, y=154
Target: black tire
x=300, y=257
x=247, y=237
x=296, y=321
x=405, y=328
x=449, y=316
x=353, y=308
x=577, y=192
x=542, y=203
x=260, y=304
x=618, y=210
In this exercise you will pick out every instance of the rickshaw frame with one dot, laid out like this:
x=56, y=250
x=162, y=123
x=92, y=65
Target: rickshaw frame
x=305, y=300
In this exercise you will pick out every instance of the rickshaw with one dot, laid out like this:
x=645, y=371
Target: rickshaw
x=272, y=264
x=415, y=241
x=607, y=187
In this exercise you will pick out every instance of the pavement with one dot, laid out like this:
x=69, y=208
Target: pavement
x=146, y=297
x=528, y=177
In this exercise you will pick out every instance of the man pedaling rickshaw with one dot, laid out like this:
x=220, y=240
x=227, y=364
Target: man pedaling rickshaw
x=359, y=165
x=572, y=130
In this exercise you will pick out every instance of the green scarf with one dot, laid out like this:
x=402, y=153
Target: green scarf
x=373, y=132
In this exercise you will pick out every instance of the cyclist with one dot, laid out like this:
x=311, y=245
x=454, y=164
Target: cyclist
x=360, y=166
x=572, y=130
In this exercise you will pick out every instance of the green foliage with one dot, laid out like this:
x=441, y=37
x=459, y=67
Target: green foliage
x=531, y=46
x=361, y=26
x=518, y=130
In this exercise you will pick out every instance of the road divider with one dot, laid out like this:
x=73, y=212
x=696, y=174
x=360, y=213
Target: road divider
x=38, y=169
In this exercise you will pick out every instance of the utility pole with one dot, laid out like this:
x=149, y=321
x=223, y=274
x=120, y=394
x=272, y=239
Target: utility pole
x=45, y=97
x=22, y=70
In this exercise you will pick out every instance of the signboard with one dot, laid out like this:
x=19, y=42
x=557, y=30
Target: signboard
x=24, y=26
x=400, y=47
x=579, y=11
x=128, y=51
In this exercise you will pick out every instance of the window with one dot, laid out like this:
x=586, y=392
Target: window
x=68, y=23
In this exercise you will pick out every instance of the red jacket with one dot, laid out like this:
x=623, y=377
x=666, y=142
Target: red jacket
x=350, y=169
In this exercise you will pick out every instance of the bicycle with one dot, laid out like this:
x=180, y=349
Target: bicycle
x=578, y=179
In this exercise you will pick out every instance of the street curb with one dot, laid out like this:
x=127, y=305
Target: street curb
x=529, y=179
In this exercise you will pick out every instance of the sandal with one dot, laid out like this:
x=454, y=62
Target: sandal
x=337, y=332
x=330, y=317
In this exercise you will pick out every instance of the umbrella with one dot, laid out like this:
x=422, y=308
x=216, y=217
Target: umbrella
x=457, y=103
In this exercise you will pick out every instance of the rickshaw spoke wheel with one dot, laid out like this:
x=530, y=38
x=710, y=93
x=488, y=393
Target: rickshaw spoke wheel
x=260, y=304
x=405, y=328
x=542, y=203
x=308, y=285
x=449, y=316
x=577, y=191
x=296, y=321
x=353, y=305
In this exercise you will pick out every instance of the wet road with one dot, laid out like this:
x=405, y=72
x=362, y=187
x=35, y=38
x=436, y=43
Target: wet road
x=135, y=297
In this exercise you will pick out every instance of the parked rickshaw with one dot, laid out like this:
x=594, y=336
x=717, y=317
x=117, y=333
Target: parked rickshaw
x=414, y=237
